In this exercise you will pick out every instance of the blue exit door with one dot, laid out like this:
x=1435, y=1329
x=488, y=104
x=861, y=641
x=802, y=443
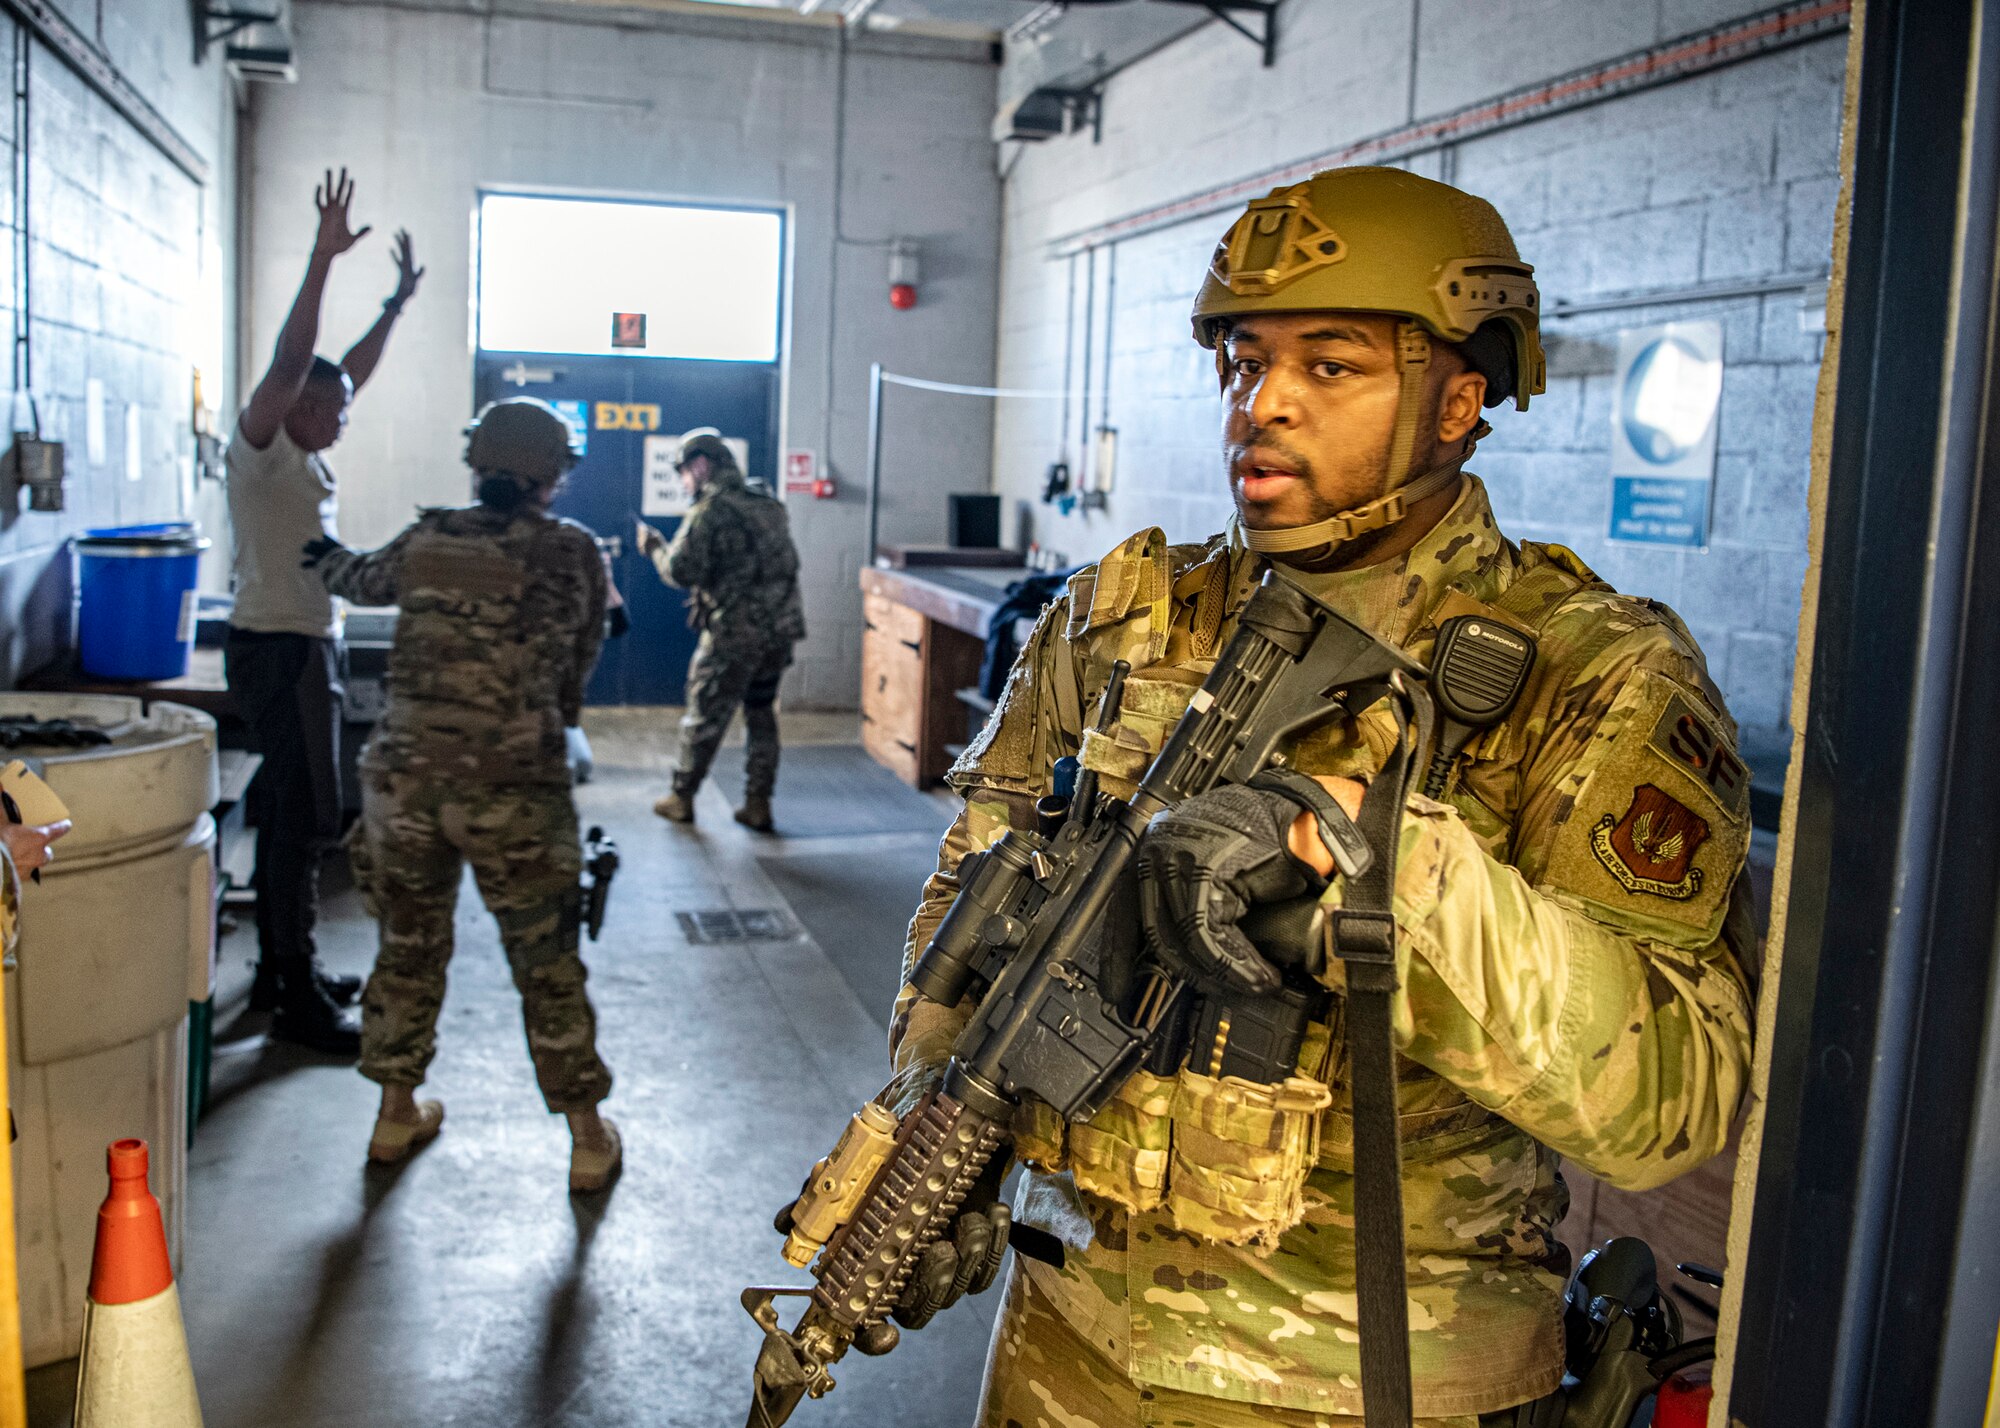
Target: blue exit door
x=641, y=321
x=619, y=402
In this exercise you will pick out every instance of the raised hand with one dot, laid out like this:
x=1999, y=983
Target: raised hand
x=408, y=274
x=332, y=198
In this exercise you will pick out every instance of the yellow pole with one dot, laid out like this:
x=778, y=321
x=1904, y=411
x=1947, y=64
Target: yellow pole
x=1993, y=1391
x=13, y=1379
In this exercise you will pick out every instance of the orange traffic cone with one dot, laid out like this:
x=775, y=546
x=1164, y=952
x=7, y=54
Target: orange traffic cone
x=135, y=1371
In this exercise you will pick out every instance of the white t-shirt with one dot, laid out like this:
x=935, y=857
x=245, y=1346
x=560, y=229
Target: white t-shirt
x=279, y=499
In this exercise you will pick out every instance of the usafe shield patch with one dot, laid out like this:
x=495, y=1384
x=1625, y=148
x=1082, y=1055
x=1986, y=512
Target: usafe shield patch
x=1651, y=849
x=1660, y=822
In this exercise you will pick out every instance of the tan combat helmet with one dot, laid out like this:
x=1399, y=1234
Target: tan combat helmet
x=521, y=437
x=1382, y=240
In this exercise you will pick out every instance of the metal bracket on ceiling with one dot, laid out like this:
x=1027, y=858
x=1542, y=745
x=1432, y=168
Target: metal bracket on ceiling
x=1081, y=107
x=1227, y=12
x=218, y=20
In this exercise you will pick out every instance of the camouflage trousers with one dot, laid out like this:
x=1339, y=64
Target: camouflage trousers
x=416, y=835
x=721, y=677
x=1040, y=1371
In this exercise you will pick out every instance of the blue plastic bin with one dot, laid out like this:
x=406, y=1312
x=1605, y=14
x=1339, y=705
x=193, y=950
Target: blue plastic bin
x=136, y=592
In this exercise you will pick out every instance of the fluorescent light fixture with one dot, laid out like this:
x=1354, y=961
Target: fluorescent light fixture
x=553, y=271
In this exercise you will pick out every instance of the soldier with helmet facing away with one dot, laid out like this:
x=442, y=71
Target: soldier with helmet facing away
x=502, y=612
x=1573, y=930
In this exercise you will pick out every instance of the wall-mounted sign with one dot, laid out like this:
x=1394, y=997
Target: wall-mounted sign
x=628, y=416
x=1663, y=420
x=801, y=470
x=576, y=416
x=660, y=486
x=628, y=329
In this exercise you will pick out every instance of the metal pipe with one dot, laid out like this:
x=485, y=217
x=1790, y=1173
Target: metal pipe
x=1697, y=292
x=874, y=460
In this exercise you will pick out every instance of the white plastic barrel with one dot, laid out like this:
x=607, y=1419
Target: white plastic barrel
x=115, y=942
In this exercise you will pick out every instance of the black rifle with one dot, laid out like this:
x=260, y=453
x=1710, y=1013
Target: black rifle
x=600, y=866
x=1023, y=935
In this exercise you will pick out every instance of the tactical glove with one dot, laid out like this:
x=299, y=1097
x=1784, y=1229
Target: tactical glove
x=1204, y=864
x=966, y=1258
x=318, y=549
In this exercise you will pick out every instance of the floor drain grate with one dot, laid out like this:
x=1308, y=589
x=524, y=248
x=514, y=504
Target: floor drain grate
x=726, y=924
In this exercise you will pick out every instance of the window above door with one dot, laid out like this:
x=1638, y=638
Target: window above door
x=612, y=278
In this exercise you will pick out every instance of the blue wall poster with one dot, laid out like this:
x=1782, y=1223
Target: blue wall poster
x=577, y=415
x=1663, y=433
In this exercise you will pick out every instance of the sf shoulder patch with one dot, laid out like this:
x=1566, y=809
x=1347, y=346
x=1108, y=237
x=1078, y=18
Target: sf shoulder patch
x=1651, y=849
x=1692, y=744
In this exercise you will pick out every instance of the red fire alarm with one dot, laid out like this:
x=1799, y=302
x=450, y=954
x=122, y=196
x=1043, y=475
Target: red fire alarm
x=903, y=274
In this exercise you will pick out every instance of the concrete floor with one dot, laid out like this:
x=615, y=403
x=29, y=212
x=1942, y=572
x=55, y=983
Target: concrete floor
x=467, y=1287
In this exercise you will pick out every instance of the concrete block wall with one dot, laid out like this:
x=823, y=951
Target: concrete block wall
x=1728, y=176
x=131, y=286
x=428, y=105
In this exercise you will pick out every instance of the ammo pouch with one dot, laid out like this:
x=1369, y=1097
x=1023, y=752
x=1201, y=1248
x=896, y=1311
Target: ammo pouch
x=1228, y=1159
x=1122, y=1152
x=1241, y=1155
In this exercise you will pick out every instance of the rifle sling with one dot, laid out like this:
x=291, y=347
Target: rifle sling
x=1363, y=935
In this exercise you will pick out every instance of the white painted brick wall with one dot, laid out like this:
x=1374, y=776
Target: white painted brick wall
x=1731, y=175
x=133, y=286
x=425, y=114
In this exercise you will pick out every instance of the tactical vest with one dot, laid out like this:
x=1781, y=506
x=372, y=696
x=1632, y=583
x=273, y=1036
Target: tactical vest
x=468, y=685
x=1229, y=1159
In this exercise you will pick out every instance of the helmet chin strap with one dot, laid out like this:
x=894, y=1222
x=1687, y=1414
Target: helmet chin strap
x=1413, y=364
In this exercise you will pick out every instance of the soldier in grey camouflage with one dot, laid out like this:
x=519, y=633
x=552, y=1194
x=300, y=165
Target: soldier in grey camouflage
x=1573, y=925
x=734, y=555
x=501, y=615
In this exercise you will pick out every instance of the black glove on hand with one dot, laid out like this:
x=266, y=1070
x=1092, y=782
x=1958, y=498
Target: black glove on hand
x=966, y=1258
x=1203, y=864
x=318, y=549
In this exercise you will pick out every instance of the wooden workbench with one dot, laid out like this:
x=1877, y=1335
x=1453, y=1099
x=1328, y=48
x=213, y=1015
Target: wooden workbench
x=923, y=638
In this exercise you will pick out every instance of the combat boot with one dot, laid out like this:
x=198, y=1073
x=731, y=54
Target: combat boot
x=267, y=991
x=755, y=814
x=310, y=1019
x=676, y=807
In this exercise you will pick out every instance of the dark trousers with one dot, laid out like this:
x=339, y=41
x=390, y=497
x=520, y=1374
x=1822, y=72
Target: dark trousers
x=287, y=689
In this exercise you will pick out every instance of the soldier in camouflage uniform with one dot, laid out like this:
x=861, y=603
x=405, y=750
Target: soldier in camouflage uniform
x=502, y=611
x=734, y=555
x=1574, y=926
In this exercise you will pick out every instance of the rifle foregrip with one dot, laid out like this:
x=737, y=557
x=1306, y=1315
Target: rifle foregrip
x=944, y=1146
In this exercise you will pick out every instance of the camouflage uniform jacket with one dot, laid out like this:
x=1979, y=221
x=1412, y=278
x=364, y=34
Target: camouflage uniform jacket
x=734, y=553
x=501, y=618
x=1571, y=927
